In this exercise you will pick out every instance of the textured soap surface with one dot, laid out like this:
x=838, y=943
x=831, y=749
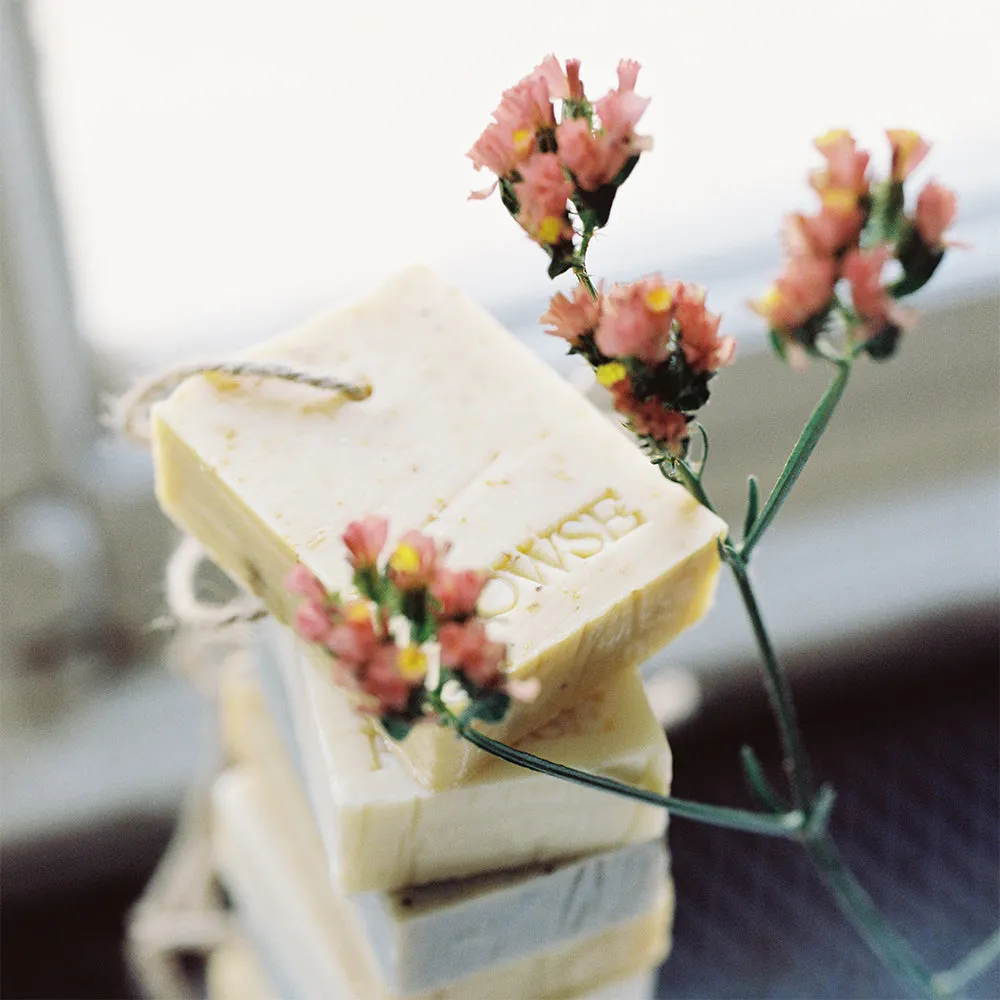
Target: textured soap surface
x=382, y=829
x=274, y=873
x=599, y=561
x=420, y=934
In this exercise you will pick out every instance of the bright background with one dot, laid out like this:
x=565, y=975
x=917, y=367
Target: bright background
x=227, y=167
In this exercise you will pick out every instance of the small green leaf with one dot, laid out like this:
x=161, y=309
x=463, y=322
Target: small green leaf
x=563, y=258
x=757, y=781
x=508, y=197
x=919, y=261
x=778, y=344
x=883, y=344
x=368, y=583
x=491, y=707
x=396, y=728
x=753, y=505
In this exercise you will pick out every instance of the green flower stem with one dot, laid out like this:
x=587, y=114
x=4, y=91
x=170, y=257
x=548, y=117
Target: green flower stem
x=580, y=268
x=776, y=683
x=581, y=273
x=949, y=982
x=859, y=909
x=787, y=825
x=691, y=481
x=807, y=441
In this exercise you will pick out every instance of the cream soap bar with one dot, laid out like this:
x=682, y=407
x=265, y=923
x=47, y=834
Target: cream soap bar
x=234, y=972
x=274, y=872
x=421, y=934
x=384, y=830
x=599, y=561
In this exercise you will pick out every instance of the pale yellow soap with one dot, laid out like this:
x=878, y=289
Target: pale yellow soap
x=291, y=912
x=599, y=561
x=383, y=830
x=423, y=937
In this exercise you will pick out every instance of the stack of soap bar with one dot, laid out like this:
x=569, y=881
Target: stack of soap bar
x=561, y=929
x=598, y=560
x=382, y=829
x=361, y=867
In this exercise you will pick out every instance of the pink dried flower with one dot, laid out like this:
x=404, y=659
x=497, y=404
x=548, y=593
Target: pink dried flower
x=872, y=302
x=457, y=591
x=594, y=159
x=305, y=583
x=824, y=234
x=668, y=427
x=620, y=112
x=572, y=318
x=803, y=291
x=636, y=320
x=511, y=138
x=542, y=194
x=562, y=86
x=908, y=151
x=384, y=681
x=415, y=560
x=845, y=178
x=313, y=622
x=628, y=73
x=353, y=639
x=364, y=540
x=937, y=207
x=704, y=350
x=466, y=646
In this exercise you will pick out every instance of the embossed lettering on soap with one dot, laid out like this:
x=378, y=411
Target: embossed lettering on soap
x=541, y=559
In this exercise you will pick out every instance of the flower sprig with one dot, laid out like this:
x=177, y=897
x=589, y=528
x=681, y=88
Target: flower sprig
x=548, y=169
x=653, y=344
x=860, y=228
x=411, y=643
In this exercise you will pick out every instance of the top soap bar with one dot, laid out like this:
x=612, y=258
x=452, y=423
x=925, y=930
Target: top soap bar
x=467, y=435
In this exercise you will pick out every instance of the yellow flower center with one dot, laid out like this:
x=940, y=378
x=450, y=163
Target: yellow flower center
x=357, y=612
x=550, y=229
x=523, y=140
x=406, y=559
x=905, y=140
x=768, y=302
x=839, y=199
x=412, y=663
x=832, y=137
x=609, y=374
x=659, y=300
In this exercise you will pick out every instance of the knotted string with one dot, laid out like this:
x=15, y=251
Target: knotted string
x=187, y=608
x=129, y=414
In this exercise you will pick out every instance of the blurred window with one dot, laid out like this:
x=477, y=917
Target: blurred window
x=226, y=167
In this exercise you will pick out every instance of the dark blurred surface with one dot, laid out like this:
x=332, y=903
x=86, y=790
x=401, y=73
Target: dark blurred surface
x=911, y=744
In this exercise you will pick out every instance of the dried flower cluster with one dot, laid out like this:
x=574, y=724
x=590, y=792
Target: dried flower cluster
x=412, y=630
x=545, y=165
x=653, y=344
x=859, y=228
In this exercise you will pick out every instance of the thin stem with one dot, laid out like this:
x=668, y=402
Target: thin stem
x=581, y=273
x=807, y=441
x=858, y=907
x=691, y=481
x=974, y=964
x=778, y=690
x=580, y=268
x=786, y=825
